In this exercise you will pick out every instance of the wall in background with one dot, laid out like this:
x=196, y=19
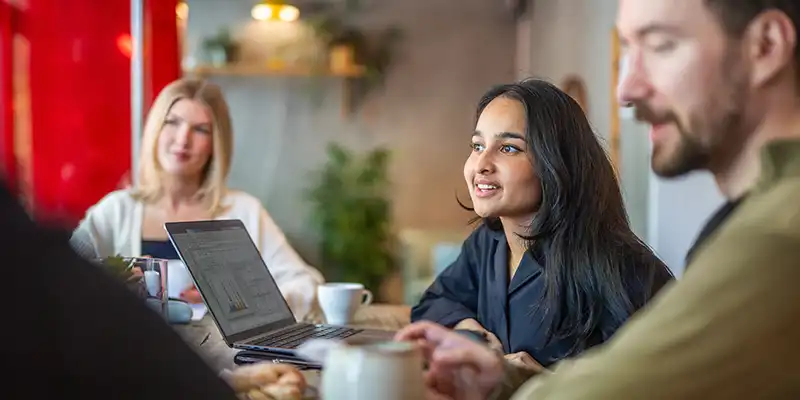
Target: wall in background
x=425, y=114
x=556, y=50
x=678, y=209
x=67, y=138
x=668, y=214
x=73, y=91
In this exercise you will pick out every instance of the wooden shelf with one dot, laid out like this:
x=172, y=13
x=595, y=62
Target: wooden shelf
x=266, y=71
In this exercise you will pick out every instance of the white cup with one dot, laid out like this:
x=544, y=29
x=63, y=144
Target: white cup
x=152, y=280
x=179, y=278
x=340, y=301
x=386, y=371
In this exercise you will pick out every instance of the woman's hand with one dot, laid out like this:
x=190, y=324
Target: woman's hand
x=136, y=274
x=456, y=364
x=191, y=295
x=524, y=360
x=474, y=325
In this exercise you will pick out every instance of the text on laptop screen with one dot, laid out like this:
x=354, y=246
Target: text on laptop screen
x=233, y=279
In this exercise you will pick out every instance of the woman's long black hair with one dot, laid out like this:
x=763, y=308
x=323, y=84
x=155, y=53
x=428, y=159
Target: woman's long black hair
x=591, y=257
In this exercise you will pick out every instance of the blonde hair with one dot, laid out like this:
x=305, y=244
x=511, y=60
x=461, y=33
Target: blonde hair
x=149, y=182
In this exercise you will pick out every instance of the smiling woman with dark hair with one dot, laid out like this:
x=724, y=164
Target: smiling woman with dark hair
x=554, y=267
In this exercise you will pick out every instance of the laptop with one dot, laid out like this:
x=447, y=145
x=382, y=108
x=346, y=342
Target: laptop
x=241, y=294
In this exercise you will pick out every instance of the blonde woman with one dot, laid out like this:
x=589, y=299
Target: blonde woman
x=184, y=163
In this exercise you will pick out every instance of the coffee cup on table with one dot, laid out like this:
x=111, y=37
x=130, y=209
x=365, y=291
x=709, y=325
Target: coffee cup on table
x=340, y=301
x=179, y=278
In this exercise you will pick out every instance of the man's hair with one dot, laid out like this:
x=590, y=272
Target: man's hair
x=736, y=15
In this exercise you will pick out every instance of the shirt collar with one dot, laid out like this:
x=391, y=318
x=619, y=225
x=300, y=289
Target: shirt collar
x=779, y=159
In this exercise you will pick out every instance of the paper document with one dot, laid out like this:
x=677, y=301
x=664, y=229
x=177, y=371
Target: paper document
x=198, y=311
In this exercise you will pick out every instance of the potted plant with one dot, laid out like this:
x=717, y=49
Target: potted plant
x=221, y=49
x=374, y=50
x=351, y=212
x=122, y=268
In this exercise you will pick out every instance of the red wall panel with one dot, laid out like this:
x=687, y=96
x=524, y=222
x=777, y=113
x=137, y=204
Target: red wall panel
x=163, y=52
x=80, y=102
x=80, y=96
x=7, y=159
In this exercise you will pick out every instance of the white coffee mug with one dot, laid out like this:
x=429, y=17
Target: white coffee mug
x=179, y=278
x=385, y=371
x=340, y=301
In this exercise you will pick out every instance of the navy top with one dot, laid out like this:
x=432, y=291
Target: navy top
x=476, y=286
x=159, y=249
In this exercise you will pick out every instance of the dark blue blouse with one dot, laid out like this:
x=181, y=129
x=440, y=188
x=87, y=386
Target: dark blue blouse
x=476, y=286
x=159, y=249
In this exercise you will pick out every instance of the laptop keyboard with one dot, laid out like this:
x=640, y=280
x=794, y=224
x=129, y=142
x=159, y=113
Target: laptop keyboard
x=300, y=333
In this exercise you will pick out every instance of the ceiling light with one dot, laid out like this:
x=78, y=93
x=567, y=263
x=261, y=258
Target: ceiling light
x=273, y=11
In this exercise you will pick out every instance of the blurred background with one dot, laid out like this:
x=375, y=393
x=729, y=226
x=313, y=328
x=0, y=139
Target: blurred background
x=321, y=92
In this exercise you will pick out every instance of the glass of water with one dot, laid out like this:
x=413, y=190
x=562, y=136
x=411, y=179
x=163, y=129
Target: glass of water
x=145, y=277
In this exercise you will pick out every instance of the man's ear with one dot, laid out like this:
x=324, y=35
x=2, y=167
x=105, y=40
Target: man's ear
x=770, y=43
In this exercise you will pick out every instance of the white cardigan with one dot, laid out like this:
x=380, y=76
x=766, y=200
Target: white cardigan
x=114, y=226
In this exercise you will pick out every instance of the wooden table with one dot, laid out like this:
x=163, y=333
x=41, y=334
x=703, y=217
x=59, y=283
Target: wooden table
x=204, y=336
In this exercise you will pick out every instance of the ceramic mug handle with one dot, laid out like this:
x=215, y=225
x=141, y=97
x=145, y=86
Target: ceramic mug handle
x=366, y=298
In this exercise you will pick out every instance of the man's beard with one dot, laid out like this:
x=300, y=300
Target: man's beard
x=689, y=154
x=718, y=122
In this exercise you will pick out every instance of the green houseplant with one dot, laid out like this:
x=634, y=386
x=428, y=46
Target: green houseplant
x=352, y=215
x=376, y=50
x=221, y=49
x=122, y=268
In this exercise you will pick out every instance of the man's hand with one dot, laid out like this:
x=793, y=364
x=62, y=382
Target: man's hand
x=524, y=360
x=457, y=365
x=473, y=325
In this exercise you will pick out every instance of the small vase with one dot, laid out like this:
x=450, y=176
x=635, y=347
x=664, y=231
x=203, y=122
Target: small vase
x=231, y=53
x=217, y=56
x=340, y=58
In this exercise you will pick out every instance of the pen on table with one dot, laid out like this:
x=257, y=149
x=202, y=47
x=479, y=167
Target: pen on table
x=205, y=339
x=296, y=363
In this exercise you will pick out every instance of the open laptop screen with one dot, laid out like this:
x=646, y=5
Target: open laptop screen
x=231, y=276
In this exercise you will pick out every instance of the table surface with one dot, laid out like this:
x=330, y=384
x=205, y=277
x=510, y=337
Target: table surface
x=204, y=336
